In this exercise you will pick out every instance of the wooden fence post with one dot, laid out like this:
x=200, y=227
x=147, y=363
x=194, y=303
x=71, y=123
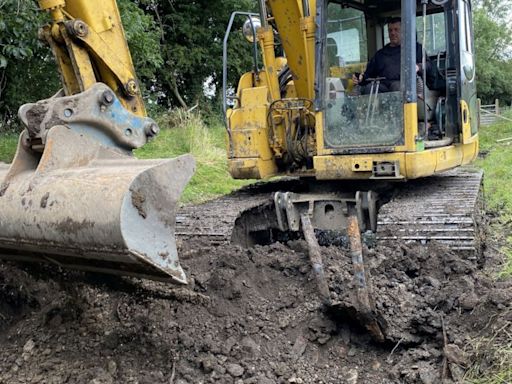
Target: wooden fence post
x=479, y=110
x=497, y=108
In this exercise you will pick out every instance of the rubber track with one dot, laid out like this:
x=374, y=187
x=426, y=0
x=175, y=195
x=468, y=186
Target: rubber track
x=214, y=220
x=444, y=208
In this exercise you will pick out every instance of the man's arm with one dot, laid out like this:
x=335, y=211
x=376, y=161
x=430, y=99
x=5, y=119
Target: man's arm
x=371, y=70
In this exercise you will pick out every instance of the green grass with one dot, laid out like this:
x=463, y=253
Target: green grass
x=187, y=133
x=8, y=142
x=494, y=354
x=494, y=357
x=182, y=133
x=496, y=161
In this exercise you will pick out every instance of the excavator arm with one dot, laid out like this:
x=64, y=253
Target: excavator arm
x=89, y=44
x=74, y=194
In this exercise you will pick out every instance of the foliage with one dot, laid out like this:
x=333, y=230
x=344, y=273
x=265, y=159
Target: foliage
x=143, y=39
x=496, y=161
x=27, y=72
x=495, y=142
x=182, y=132
x=192, y=34
x=185, y=132
x=27, y=69
x=493, y=45
x=498, y=10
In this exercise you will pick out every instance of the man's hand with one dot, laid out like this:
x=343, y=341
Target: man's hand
x=357, y=78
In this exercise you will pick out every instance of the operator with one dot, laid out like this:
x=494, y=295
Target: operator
x=386, y=63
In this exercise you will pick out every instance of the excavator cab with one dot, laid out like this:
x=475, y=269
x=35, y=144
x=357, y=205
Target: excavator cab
x=374, y=118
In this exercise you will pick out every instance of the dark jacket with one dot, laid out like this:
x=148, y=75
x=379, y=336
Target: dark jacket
x=386, y=63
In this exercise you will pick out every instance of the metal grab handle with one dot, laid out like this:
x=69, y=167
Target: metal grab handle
x=249, y=15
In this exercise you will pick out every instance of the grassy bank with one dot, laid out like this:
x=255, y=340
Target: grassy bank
x=496, y=161
x=494, y=361
x=182, y=133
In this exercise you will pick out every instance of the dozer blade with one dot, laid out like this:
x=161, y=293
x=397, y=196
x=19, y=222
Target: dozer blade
x=84, y=206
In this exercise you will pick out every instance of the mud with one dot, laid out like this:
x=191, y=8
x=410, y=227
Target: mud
x=251, y=316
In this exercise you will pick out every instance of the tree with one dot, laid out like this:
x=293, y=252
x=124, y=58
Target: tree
x=191, y=34
x=493, y=43
x=28, y=71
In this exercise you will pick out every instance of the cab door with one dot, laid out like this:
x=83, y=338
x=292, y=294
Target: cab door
x=466, y=76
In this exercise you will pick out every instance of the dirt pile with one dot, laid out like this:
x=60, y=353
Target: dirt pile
x=250, y=316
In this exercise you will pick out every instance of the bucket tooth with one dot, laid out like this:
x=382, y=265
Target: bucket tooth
x=86, y=206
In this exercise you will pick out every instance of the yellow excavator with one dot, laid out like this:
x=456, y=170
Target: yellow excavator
x=74, y=194
x=363, y=156
x=301, y=115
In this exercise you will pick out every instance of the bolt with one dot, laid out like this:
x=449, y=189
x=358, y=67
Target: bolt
x=151, y=129
x=80, y=28
x=107, y=97
x=131, y=87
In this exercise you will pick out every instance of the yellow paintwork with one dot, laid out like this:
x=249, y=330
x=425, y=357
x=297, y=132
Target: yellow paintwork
x=297, y=36
x=250, y=153
x=266, y=39
x=362, y=164
x=410, y=126
x=411, y=165
x=467, y=137
x=103, y=48
x=252, y=168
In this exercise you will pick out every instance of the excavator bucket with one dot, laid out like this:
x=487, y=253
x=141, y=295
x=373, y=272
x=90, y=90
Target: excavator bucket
x=85, y=204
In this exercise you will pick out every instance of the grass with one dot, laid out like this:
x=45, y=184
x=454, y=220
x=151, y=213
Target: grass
x=496, y=161
x=495, y=365
x=8, y=142
x=183, y=132
x=494, y=354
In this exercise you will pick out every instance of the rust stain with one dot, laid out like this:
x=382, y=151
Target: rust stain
x=3, y=188
x=138, y=200
x=44, y=200
x=70, y=226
